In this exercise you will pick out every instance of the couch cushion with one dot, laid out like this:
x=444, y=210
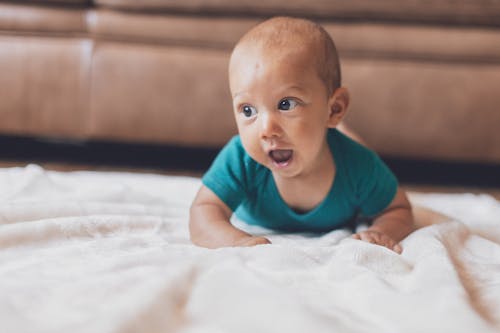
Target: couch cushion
x=199, y=31
x=26, y=18
x=417, y=43
x=44, y=85
x=368, y=40
x=148, y=93
x=484, y=12
x=445, y=111
x=57, y=2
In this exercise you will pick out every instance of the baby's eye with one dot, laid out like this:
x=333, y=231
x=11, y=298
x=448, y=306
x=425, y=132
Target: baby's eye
x=248, y=111
x=287, y=104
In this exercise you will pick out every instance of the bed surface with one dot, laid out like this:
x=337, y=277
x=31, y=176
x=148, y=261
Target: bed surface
x=110, y=252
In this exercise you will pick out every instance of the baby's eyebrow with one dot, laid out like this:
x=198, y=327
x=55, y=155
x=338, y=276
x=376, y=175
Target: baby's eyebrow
x=297, y=87
x=238, y=94
x=294, y=87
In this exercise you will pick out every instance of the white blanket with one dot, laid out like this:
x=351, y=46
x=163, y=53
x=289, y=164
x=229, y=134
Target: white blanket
x=110, y=252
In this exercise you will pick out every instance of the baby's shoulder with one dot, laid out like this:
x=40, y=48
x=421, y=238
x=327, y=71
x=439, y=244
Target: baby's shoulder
x=350, y=152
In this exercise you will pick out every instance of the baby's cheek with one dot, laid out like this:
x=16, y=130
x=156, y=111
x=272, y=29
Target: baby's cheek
x=254, y=150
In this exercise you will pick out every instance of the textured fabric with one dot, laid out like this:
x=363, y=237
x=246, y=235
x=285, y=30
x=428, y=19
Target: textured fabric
x=109, y=252
x=362, y=183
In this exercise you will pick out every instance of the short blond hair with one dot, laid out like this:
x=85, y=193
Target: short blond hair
x=282, y=32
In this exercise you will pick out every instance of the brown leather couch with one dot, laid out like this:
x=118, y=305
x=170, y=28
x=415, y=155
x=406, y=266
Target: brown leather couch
x=424, y=76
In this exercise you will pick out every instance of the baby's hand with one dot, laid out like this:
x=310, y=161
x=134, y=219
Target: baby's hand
x=378, y=238
x=252, y=241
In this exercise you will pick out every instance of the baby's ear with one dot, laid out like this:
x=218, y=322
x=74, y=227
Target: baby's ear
x=338, y=104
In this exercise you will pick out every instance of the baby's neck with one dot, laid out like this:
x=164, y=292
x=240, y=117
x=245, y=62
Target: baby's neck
x=304, y=193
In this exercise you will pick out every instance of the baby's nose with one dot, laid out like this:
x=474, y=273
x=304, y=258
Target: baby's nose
x=270, y=125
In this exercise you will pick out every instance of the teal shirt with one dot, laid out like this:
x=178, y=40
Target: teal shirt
x=363, y=185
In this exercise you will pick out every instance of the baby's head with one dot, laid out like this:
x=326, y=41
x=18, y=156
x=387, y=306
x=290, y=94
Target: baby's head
x=284, y=77
x=286, y=36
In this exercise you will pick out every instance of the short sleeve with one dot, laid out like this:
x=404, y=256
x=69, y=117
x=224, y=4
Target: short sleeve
x=377, y=185
x=226, y=177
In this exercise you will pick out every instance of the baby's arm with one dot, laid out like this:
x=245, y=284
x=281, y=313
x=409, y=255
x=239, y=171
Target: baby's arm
x=392, y=225
x=209, y=224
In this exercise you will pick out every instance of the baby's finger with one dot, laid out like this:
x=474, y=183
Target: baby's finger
x=390, y=244
x=370, y=237
x=356, y=236
x=397, y=248
x=260, y=241
x=252, y=241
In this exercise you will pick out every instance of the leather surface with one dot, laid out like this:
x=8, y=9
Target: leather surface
x=25, y=18
x=168, y=29
x=44, y=86
x=362, y=40
x=56, y=2
x=160, y=94
x=418, y=90
x=430, y=110
x=482, y=12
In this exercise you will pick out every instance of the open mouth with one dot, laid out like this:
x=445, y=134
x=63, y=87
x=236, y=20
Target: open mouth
x=281, y=157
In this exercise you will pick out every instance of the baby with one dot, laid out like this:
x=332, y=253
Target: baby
x=291, y=168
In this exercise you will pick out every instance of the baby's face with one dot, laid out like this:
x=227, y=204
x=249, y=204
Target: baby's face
x=281, y=108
